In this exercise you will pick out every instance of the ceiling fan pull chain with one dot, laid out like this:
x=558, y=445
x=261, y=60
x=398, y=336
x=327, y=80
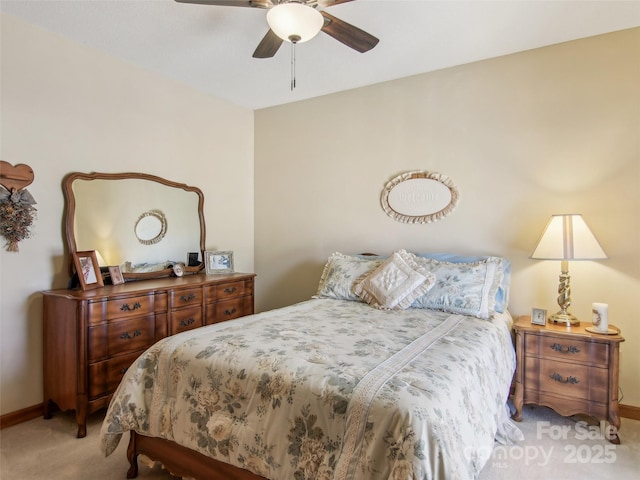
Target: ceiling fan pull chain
x=293, y=65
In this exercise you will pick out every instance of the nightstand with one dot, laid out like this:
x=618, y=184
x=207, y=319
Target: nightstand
x=567, y=369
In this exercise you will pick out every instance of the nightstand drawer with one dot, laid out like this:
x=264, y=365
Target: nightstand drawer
x=567, y=379
x=566, y=348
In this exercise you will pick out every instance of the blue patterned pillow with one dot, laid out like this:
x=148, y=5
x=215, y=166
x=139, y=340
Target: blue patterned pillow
x=466, y=288
x=502, y=295
x=340, y=274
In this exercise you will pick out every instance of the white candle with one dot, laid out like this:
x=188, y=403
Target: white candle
x=600, y=316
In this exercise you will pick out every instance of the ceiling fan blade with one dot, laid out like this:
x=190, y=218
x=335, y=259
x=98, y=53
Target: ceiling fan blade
x=231, y=3
x=346, y=33
x=268, y=46
x=331, y=3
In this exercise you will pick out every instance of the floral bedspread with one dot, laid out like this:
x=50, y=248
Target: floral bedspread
x=327, y=389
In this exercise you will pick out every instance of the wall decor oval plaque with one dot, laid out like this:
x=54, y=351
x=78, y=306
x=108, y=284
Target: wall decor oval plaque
x=419, y=197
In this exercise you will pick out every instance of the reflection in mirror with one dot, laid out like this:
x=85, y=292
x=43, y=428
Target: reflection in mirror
x=134, y=219
x=151, y=227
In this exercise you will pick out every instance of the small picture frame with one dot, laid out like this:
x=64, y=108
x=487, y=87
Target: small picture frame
x=538, y=316
x=116, y=275
x=193, y=259
x=88, y=270
x=218, y=262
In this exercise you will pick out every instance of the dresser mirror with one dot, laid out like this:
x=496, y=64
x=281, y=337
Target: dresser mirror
x=143, y=223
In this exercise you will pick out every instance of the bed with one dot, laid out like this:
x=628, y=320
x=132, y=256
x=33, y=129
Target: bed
x=343, y=386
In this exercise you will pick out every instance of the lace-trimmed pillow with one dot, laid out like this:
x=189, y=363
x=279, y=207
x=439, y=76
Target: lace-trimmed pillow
x=504, y=267
x=396, y=283
x=467, y=288
x=341, y=273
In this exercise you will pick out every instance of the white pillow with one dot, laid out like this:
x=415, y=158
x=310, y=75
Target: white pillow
x=396, y=283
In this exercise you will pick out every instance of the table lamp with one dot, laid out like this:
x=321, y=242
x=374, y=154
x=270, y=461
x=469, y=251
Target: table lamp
x=566, y=237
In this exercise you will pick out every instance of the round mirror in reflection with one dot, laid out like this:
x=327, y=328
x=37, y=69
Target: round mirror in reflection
x=150, y=227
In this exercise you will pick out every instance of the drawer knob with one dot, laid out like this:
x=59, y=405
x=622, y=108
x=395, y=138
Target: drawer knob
x=230, y=290
x=126, y=335
x=560, y=348
x=127, y=308
x=558, y=378
x=186, y=323
x=188, y=298
x=230, y=312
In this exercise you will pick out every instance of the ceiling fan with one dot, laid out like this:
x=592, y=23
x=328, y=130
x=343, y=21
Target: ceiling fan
x=297, y=21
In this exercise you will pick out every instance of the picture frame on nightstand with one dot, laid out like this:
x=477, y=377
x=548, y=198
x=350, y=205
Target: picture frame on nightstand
x=539, y=316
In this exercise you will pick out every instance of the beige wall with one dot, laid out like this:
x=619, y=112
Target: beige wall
x=553, y=130
x=524, y=136
x=69, y=108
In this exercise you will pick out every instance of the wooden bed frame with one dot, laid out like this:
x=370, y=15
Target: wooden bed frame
x=181, y=461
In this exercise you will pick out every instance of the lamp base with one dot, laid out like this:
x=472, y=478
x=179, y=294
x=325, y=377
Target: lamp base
x=564, y=318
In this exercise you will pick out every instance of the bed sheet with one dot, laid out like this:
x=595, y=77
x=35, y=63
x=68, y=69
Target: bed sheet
x=327, y=389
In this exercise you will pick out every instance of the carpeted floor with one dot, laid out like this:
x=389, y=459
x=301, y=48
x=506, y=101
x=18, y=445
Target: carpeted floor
x=566, y=447
x=554, y=447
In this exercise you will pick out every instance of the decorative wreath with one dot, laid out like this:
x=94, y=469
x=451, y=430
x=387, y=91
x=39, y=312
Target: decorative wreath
x=17, y=214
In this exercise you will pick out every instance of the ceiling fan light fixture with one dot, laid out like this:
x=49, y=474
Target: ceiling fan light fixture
x=295, y=22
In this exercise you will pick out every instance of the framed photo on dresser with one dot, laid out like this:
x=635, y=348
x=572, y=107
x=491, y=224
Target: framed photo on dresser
x=88, y=270
x=116, y=275
x=218, y=262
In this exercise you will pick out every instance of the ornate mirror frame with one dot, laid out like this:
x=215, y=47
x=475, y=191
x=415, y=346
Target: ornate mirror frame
x=70, y=212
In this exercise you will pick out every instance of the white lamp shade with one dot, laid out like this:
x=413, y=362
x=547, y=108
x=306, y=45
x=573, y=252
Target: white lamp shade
x=567, y=237
x=295, y=21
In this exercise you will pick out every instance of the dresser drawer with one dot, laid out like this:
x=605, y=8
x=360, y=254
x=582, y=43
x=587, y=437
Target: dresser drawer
x=567, y=379
x=121, y=307
x=226, y=290
x=230, y=309
x=105, y=376
x=567, y=349
x=185, y=298
x=185, y=319
x=109, y=339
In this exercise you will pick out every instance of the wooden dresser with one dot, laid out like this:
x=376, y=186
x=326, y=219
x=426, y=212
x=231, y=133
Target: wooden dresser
x=567, y=369
x=91, y=337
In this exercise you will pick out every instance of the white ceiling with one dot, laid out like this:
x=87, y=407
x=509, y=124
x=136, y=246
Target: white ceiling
x=210, y=47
